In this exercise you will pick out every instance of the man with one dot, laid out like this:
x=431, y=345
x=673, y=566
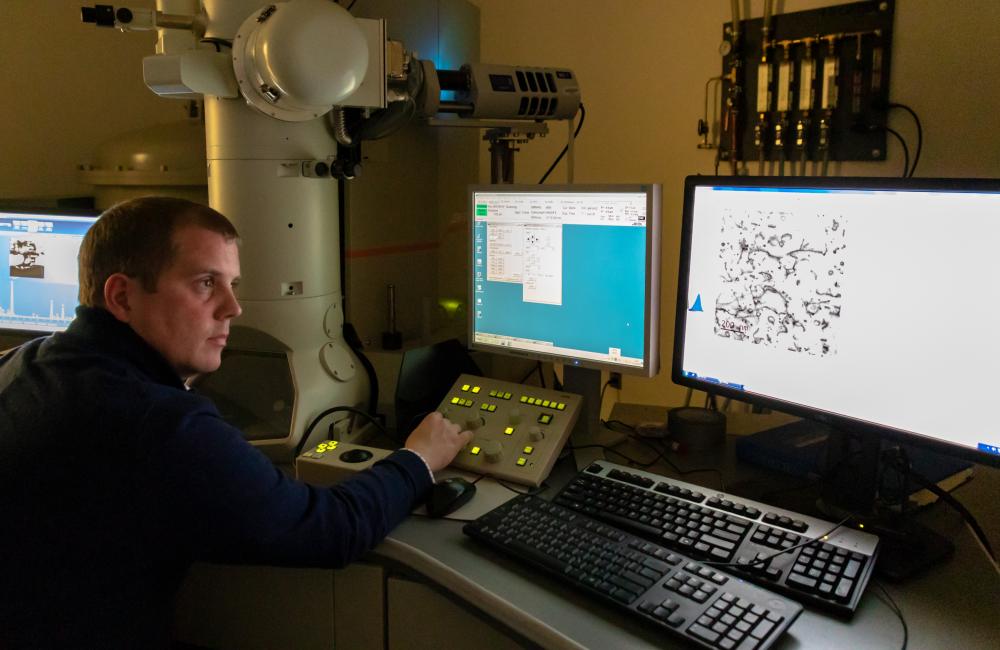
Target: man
x=114, y=478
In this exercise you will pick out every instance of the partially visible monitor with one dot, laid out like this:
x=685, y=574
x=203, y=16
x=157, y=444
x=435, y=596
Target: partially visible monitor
x=870, y=305
x=39, y=287
x=569, y=274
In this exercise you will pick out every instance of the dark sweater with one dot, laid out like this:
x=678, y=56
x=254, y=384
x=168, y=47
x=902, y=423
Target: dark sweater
x=114, y=479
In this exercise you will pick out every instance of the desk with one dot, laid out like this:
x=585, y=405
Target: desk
x=953, y=605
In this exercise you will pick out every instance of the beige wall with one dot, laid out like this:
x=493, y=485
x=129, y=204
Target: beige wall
x=66, y=88
x=642, y=66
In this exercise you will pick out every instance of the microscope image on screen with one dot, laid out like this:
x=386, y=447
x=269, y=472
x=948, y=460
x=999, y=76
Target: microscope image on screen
x=781, y=280
x=23, y=259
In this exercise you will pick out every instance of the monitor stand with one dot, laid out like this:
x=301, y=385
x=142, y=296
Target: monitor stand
x=850, y=483
x=589, y=435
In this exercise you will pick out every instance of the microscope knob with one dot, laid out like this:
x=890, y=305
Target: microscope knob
x=474, y=423
x=515, y=417
x=493, y=451
x=535, y=434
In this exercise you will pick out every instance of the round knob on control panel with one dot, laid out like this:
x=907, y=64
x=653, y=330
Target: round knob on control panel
x=493, y=451
x=474, y=423
x=514, y=417
x=536, y=434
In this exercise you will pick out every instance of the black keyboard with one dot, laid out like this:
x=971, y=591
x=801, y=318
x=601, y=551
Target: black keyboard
x=665, y=588
x=732, y=532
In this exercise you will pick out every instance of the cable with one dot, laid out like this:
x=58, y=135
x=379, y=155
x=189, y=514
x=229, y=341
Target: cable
x=954, y=503
x=541, y=374
x=899, y=613
x=583, y=116
x=920, y=133
x=633, y=461
x=217, y=42
x=906, y=150
x=336, y=409
x=530, y=492
x=897, y=459
x=767, y=558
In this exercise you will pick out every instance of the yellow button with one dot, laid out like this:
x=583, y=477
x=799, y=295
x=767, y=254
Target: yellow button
x=546, y=403
x=469, y=402
x=465, y=387
x=506, y=395
x=484, y=406
x=521, y=461
x=524, y=399
x=454, y=400
x=509, y=430
x=493, y=393
x=561, y=406
x=544, y=418
x=475, y=451
x=531, y=400
x=475, y=389
x=492, y=408
x=529, y=449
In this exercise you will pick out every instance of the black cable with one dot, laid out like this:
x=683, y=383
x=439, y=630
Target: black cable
x=767, y=558
x=945, y=496
x=906, y=150
x=662, y=454
x=606, y=449
x=899, y=612
x=530, y=492
x=920, y=133
x=336, y=409
x=535, y=368
x=353, y=340
x=217, y=42
x=583, y=116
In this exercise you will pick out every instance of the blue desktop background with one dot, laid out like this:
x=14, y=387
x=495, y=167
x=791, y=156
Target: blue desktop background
x=603, y=294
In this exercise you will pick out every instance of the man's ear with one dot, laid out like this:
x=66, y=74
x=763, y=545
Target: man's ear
x=117, y=289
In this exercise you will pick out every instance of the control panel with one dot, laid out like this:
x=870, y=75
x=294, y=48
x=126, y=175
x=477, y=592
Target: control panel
x=518, y=430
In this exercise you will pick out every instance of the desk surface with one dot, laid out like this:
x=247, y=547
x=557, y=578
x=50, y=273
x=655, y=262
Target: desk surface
x=953, y=604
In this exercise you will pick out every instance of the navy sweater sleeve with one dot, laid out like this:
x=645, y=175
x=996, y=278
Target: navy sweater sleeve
x=222, y=500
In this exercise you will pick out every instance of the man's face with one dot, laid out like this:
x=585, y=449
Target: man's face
x=187, y=318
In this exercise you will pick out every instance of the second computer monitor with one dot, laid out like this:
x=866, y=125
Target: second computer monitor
x=568, y=274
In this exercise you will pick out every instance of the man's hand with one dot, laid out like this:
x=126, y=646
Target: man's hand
x=438, y=440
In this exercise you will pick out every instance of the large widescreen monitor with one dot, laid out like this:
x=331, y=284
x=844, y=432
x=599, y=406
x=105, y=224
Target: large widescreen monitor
x=866, y=304
x=39, y=289
x=569, y=274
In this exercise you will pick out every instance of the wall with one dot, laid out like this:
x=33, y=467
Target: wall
x=643, y=64
x=67, y=88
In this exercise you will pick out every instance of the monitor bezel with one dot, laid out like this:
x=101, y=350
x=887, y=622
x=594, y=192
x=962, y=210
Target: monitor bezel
x=652, y=303
x=43, y=212
x=834, y=420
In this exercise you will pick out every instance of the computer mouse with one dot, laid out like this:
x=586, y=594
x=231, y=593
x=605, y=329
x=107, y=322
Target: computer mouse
x=449, y=495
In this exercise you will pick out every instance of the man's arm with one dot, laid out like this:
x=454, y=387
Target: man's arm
x=224, y=501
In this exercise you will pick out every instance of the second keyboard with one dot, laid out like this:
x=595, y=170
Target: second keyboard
x=731, y=532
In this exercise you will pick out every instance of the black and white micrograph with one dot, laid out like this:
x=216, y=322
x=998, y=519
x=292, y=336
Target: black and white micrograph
x=782, y=277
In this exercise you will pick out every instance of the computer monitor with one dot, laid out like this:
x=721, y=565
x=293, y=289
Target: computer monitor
x=39, y=287
x=568, y=274
x=865, y=304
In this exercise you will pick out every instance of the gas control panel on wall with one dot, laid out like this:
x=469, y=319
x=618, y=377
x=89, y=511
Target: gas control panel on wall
x=807, y=86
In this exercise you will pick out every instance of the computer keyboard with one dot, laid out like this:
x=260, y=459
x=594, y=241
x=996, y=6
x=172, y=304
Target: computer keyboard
x=733, y=533
x=667, y=589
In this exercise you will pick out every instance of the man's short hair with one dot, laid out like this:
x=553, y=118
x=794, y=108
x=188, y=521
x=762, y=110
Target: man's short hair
x=136, y=238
